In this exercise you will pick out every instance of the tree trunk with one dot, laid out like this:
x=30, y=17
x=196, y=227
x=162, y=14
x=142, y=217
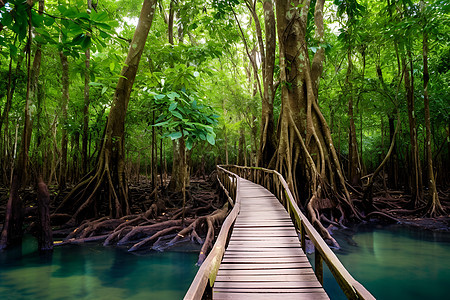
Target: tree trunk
x=354, y=172
x=414, y=171
x=170, y=22
x=241, y=150
x=226, y=143
x=109, y=172
x=154, y=156
x=12, y=228
x=64, y=103
x=180, y=176
x=11, y=87
x=393, y=160
x=434, y=205
x=84, y=142
x=305, y=155
x=268, y=142
x=45, y=239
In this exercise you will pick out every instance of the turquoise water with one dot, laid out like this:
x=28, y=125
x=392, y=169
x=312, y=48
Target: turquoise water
x=391, y=262
x=94, y=272
x=395, y=263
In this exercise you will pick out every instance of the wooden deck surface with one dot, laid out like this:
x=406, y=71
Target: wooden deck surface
x=264, y=259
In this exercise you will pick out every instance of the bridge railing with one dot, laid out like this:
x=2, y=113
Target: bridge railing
x=208, y=270
x=274, y=182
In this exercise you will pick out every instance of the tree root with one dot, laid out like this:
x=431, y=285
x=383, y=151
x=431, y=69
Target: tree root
x=314, y=216
x=386, y=215
x=154, y=229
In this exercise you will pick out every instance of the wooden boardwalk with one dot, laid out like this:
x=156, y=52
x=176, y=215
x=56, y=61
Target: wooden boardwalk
x=264, y=259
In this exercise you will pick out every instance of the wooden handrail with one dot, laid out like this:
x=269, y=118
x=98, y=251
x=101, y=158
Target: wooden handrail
x=351, y=287
x=209, y=268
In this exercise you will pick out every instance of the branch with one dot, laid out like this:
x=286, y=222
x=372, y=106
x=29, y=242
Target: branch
x=255, y=67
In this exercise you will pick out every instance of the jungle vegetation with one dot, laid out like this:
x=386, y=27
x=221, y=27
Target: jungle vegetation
x=347, y=99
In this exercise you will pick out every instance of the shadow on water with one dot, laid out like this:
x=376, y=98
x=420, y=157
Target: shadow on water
x=394, y=262
x=94, y=272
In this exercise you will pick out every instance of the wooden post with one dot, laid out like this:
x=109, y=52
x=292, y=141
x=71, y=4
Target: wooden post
x=45, y=240
x=318, y=264
x=303, y=236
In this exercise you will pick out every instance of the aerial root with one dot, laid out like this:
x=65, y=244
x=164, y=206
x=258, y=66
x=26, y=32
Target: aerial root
x=315, y=221
x=158, y=228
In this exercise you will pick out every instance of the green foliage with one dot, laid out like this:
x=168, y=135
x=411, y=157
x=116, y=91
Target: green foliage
x=183, y=115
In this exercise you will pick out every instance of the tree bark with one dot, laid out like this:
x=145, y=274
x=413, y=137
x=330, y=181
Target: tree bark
x=12, y=228
x=180, y=176
x=241, y=151
x=45, y=239
x=434, y=205
x=354, y=172
x=393, y=160
x=268, y=142
x=170, y=22
x=305, y=156
x=414, y=151
x=85, y=135
x=109, y=172
x=64, y=103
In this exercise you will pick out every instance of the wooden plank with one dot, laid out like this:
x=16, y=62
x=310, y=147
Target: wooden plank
x=270, y=253
x=264, y=217
x=263, y=266
x=269, y=290
x=297, y=271
x=260, y=242
x=262, y=230
x=243, y=232
x=277, y=284
x=267, y=225
x=266, y=239
x=270, y=296
x=266, y=278
x=278, y=251
x=262, y=254
x=264, y=260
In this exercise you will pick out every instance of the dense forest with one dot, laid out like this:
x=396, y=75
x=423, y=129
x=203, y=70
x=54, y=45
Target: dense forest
x=112, y=111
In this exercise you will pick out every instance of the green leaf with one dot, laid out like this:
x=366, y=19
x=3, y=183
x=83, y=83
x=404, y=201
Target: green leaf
x=6, y=19
x=99, y=17
x=86, y=43
x=175, y=135
x=48, y=21
x=78, y=40
x=173, y=106
x=112, y=65
x=177, y=114
x=36, y=19
x=161, y=124
x=173, y=95
x=13, y=50
x=103, y=26
x=104, y=89
x=211, y=139
x=189, y=144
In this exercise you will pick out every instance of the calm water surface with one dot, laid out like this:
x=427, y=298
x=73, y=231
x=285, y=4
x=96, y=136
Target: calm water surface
x=395, y=263
x=94, y=272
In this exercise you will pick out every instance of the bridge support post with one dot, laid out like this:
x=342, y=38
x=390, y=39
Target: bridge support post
x=318, y=265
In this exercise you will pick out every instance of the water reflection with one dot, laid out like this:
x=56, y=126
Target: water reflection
x=94, y=272
x=395, y=262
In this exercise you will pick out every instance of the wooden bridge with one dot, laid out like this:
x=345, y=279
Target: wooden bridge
x=259, y=252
